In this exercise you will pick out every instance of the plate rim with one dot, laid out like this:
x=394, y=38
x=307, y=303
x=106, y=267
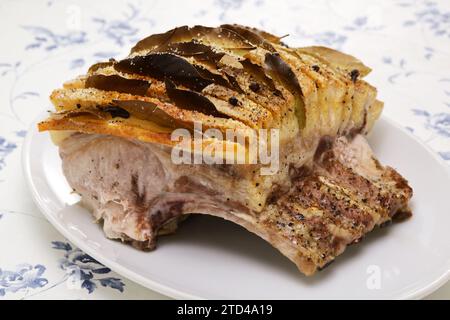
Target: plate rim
x=165, y=289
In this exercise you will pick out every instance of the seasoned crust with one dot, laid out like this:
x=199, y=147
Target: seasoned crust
x=227, y=77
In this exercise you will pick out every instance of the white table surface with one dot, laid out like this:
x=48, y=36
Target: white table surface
x=43, y=43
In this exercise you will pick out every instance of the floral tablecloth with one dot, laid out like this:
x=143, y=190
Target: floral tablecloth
x=43, y=43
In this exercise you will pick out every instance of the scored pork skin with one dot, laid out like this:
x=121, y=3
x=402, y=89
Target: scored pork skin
x=136, y=190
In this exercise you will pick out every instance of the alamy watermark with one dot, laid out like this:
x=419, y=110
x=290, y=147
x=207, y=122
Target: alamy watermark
x=235, y=146
x=373, y=281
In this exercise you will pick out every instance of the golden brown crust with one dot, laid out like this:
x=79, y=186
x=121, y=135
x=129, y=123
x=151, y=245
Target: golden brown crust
x=337, y=59
x=226, y=78
x=86, y=125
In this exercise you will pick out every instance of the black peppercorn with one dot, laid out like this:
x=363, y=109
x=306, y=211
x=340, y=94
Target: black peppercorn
x=254, y=86
x=354, y=74
x=233, y=101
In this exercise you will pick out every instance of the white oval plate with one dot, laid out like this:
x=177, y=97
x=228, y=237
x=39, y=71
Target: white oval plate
x=214, y=259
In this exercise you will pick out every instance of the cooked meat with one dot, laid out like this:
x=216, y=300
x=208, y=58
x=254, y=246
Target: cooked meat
x=114, y=129
x=135, y=188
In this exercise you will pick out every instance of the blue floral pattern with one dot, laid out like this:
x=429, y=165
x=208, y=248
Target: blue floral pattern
x=6, y=68
x=327, y=38
x=89, y=271
x=438, y=122
x=400, y=67
x=432, y=17
x=6, y=148
x=423, y=58
x=48, y=40
x=25, y=276
x=80, y=272
x=121, y=31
